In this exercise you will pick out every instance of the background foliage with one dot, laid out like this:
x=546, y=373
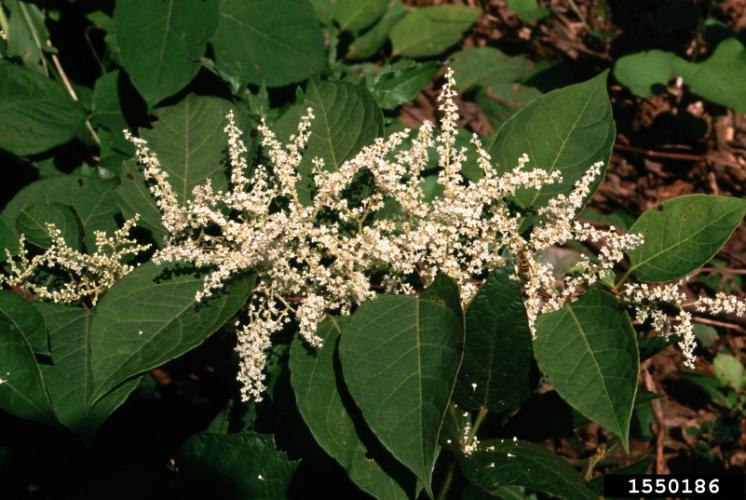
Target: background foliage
x=136, y=398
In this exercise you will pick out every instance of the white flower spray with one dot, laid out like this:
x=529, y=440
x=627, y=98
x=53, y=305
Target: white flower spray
x=332, y=254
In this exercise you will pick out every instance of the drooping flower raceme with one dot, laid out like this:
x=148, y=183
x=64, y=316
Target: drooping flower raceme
x=86, y=276
x=331, y=251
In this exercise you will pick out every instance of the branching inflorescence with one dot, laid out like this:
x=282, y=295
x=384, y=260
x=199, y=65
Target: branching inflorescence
x=332, y=253
x=86, y=276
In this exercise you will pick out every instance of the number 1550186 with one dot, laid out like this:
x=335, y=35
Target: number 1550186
x=726, y=486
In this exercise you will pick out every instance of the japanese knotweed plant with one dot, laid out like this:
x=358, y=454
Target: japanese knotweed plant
x=417, y=315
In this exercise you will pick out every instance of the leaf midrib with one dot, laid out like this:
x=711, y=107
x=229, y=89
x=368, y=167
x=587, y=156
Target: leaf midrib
x=682, y=241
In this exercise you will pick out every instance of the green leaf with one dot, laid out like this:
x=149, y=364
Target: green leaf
x=93, y=199
x=400, y=356
x=682, y=234
x=486, y=67
x=29, y=35
x=107, y=105
x=355, y=15
x=190, y=142
x=729, y=371
x=22, y=391
x=428, y=31
x=720, y=78
x=8, y=240
x=497, y=365
x=233, y=467
x=507, y=462
x=445, y=291
x=37, y=113
x=372, y=40
x=567, y=129
x=68, y=379
x=32, y=221
x=528, y=10
x=270, y=42
x=135, y=197
x=331, y=416
x=644, y=73
x=19, y=315
x=588, y=351
x=400, y=82
x=150, y=317
x=161, y=43
x=347, y=118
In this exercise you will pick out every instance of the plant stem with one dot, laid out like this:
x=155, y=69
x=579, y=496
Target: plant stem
x=443, y=493
x=623, y=278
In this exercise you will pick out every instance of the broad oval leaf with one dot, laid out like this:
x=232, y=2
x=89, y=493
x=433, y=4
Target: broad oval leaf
x=486, y=67
x=354, y=15
x=567, y=129
x=346, y=119
x=29, y=34
x=233, y=466
x=645, y=73
x=270, y=42
x=18, y=314
x=496, y=369
x=400, y=82
x=720, y=78
x=588, y=351
x=682, y=234
x=331, y=416
x=150, y=317
x=161, y=43
x=93, y=199
x=373, y=39
x=400, y=356
x=190, y=142
x=32, y=221
x=135, y=198
x=68, y=378
x=428, y=31
x=22, y=390
x=37, y=113
x=508, y=462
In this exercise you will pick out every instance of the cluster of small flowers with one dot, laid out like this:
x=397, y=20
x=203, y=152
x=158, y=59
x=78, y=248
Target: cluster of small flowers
x=322, y=256
x=3, y=36
x=87, y=275
x=648, y=302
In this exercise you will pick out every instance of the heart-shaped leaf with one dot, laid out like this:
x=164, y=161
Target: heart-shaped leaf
x=19, y=315
x=270, y=42
x=68, y=378
x=588, y=351
x=507, y=462
x=335, y=422
x=32, y=222
x=428, y=31
x=22, y=390
x=161, y=43
x=400, y=355
x=150, y=317
x=93, y=199
x=497, y=365
x=567, y=129
x=233, y=466
x=37, y=113
x=682, y=234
